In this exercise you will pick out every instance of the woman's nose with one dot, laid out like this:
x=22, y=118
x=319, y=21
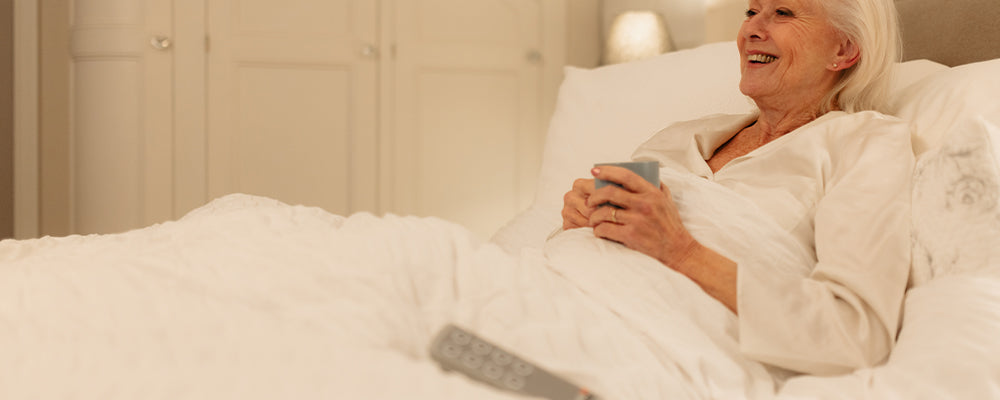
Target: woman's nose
x=754, y=28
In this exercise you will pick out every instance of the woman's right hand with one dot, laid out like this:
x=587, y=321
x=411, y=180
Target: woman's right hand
x=576, y=212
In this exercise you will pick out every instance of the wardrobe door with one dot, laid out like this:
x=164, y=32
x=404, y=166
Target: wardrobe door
x=292, y=96
x=467, y=76
x=121, y=129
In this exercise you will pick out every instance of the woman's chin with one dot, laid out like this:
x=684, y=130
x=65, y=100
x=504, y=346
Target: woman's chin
x=751, y=91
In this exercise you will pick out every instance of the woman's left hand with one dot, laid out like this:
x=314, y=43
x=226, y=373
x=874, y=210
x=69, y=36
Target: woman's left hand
x=647, y=220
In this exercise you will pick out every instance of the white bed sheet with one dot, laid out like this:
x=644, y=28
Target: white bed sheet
x=250, y=298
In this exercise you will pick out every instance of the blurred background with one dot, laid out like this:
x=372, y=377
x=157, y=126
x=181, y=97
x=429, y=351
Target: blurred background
x=118, y=114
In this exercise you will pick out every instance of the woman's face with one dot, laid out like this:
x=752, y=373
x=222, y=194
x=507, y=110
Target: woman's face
x=787, y=52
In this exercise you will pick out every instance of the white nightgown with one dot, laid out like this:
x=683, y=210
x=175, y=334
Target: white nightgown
x=841, y=186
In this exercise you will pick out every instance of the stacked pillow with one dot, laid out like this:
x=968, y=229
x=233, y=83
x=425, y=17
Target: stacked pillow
x=956, y=184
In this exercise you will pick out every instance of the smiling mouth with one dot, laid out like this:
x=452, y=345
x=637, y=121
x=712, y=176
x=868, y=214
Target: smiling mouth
x=761, y=58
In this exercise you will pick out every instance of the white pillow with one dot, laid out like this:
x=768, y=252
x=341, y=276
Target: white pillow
x=603, y=114
x=956, y=201
x=947, y=98
x=946, y=349
x=955, y=116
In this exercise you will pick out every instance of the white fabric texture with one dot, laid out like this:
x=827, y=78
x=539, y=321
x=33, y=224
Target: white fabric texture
x=250, y=298
x=956, y=216
x=847, y=204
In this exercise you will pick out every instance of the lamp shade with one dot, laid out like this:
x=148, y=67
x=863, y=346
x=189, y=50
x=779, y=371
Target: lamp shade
x=635, y=35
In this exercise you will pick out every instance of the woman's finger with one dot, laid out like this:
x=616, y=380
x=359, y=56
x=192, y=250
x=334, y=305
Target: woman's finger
x=576, y=212
x=610, y=195
x=576, y=202
x=584, y=186
x=612, y=232
x=609, y=214
x=572, y=219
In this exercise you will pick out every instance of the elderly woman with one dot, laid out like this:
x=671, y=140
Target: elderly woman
x=816, y=157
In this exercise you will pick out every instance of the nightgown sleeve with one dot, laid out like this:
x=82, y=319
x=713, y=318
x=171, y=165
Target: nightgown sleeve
x=845, y=313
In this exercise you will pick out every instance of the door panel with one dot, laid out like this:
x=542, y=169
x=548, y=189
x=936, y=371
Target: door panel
x=285, y=117
x=467, y=149
x=292, y=101
x=294, y=16
x=468, y=89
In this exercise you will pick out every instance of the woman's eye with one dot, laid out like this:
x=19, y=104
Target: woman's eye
x=750, y=13
x=785, y=13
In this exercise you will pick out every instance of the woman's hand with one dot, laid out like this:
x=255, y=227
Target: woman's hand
x=646, y=220
x=576, y=212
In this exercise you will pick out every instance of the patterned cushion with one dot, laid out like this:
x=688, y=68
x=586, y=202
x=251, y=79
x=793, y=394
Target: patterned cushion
x=956, y=188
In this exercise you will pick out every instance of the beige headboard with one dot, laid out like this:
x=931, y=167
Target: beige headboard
x=951, y=32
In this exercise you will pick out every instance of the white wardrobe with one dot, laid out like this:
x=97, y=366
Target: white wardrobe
x=425, y=107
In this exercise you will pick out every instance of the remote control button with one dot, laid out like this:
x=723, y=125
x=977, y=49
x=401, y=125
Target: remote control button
x=451, y=350
x=501, y=358
x=460, y=338
x=514, y=382
x=522, y=368
x=481, y=348
x=492, y=371
x=471, y=360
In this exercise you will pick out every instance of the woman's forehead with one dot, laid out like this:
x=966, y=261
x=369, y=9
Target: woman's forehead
x=783, y=3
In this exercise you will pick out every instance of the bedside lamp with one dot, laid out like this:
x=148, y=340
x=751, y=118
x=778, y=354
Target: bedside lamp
x=635, y=35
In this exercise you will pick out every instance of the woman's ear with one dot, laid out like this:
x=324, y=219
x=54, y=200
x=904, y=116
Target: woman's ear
x=847, y=56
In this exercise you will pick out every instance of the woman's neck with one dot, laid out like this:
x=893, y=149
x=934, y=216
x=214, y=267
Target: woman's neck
x=770, y=125
x=773, y=123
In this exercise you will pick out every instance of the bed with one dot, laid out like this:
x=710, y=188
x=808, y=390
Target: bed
x=248, y=297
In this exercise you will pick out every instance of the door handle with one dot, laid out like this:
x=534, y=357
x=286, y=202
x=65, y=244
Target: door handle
x=369, y=51
x=160, y=42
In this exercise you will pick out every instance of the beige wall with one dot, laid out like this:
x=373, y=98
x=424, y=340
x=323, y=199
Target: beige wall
x=583, y=33
x=723, y=19
x=6, y=119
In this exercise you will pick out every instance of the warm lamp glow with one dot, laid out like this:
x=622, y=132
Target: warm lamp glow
x=635, y=35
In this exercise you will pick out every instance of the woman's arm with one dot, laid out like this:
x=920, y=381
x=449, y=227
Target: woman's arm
x=845, y=313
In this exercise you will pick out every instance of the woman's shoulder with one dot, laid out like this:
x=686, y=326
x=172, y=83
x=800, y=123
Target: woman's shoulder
x=864, y=122
x=865, y=129
x=866, y=140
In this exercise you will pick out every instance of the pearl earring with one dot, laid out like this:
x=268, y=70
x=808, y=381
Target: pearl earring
x=834, y=66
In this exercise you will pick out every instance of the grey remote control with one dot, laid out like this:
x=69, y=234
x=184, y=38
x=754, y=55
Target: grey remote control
x=459, y=350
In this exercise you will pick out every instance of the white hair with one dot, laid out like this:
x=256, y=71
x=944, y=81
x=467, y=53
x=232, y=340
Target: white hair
x=873, y=27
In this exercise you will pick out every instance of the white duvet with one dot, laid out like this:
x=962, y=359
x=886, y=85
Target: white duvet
x=250, y=298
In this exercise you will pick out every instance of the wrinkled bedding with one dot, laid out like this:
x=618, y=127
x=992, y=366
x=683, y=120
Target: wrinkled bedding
x=251, y=298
